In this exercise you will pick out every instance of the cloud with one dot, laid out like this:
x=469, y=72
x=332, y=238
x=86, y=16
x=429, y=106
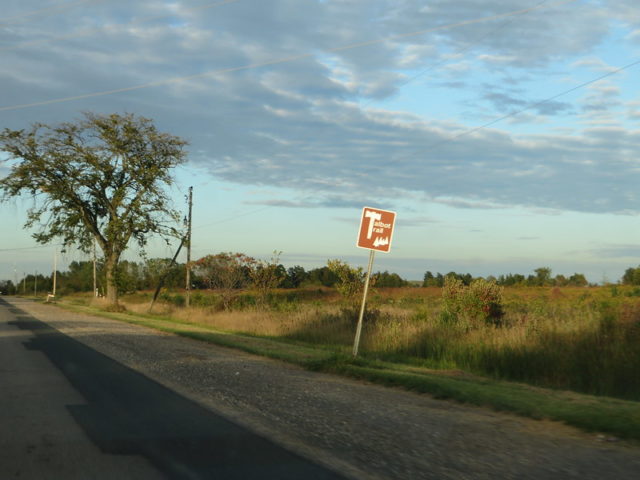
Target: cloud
x=595, y=64
x=506, y=103
x=289, y=108
x=617, y=251
x=421, y=221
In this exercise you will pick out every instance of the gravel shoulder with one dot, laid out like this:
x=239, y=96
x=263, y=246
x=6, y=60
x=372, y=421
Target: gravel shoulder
x=362, y=430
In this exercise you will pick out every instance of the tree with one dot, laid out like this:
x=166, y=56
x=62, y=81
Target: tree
x=578, y=280
x=631, y=276
x=101, y=178
x=428, y=279
x=266, y=275
x=543, y=277
x=295, y=276
x=156, y=269
x=7, y=287
x=322, y=276
x=386, y=279
x=225, y=272
x=79, y=277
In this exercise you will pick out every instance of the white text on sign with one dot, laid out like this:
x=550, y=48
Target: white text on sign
x=376, y=229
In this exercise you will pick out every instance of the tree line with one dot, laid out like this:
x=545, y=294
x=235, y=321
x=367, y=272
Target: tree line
x=244, y=271
x=220, y=271
x=542, y=278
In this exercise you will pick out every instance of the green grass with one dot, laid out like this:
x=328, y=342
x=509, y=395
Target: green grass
x=592, y=413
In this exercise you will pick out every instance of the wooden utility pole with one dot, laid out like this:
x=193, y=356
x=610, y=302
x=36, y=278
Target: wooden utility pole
x=188, y=242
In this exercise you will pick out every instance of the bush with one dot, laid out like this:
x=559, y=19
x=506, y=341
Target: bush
x=481, y=301
x=351, y=280
x=177, y=300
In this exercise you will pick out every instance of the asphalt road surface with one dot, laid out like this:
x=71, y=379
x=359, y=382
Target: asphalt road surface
x=141, y=429
x=87, y=397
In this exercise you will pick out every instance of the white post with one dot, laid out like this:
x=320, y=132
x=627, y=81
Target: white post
x=188, y=272
x=95, y=288
x=55, y=270
x=356, y=342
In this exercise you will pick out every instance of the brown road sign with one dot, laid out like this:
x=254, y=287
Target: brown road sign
x=376, y=229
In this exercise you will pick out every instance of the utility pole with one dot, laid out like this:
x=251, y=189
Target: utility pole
x=35, y=285
x=188, y=273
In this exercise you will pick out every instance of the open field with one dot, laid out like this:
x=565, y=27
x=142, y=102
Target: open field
x=582, y=339
x=574, y=352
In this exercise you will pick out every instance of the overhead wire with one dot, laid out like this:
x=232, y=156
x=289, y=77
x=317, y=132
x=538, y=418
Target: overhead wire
x=338, y=49
x=533, y=105
x=229, y=219
x=457, y=53
x=279, y=61
x=30, y=248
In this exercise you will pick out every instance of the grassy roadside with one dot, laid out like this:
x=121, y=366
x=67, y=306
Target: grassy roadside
x=598, y=414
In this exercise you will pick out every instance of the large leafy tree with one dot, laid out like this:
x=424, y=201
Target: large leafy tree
x=102, y=178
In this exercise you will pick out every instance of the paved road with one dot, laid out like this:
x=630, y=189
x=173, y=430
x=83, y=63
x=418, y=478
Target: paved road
x=222, y=395
x=131, y=426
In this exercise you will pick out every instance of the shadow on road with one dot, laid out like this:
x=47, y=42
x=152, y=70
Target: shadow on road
x=127, y=413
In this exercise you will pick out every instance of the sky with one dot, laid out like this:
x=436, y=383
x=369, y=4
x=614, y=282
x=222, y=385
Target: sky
x=505, y=134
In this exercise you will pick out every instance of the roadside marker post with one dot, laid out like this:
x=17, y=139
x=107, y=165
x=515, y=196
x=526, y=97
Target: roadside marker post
x=375, y=234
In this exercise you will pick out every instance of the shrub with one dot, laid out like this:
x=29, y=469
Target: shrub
x=225, y=272
x=266, y=275
x=481, y=301
x=351, y=280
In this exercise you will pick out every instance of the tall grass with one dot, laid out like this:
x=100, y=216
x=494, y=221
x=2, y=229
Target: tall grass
x=587, y=340
x=580, y=343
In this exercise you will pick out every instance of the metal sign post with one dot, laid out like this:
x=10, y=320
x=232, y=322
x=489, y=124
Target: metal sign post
x=376, y=232
x=356, y=342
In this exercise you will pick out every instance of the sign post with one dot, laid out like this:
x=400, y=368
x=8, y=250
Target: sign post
x=375, y=234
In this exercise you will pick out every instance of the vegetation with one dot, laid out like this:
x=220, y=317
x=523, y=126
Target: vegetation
x=409, y=347
x=471, y=305
x=100, y=180
x=631, y=276
x=574, y=338
x=351, y=280
x=542, y=278
x=265, y=276
x=225, y=272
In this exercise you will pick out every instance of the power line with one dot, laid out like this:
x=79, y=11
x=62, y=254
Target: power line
x=280, y=60
x=459, y=51
x=534, y=104
x=29, y=248
x=132, y=22
x=230, y=219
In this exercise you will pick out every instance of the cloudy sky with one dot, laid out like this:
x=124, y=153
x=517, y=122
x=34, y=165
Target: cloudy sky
x=504, y=133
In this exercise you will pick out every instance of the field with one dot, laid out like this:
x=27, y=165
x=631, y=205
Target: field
x=581, y=339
